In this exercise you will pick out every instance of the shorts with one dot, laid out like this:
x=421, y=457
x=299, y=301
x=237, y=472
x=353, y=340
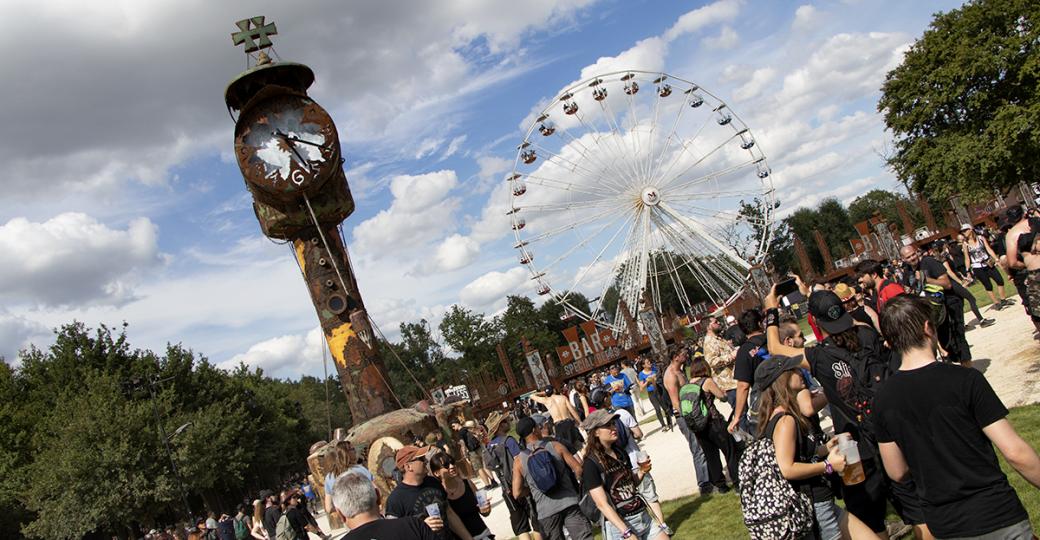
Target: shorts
x=905, y=501
x=648, y=489
x=987, y=273
x=1032, y=299
x=867, y=500
x=642, y=525
x=521, y=512
x=476, y=460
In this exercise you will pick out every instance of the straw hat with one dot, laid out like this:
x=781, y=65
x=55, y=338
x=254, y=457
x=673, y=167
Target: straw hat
x=494, y=420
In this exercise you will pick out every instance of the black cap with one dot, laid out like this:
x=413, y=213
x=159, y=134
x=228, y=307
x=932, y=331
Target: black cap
x=525, y=426
x=599, y=396
x=830, y=314
x=769, y=370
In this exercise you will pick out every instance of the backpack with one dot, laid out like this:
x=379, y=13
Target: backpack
x=241, y=531
x=772, y=508
x=623, y=433
x=225, y=530
x=692, y=406
x=472, y=444
x=284, y=531
x=937, y=299
x=541, y=466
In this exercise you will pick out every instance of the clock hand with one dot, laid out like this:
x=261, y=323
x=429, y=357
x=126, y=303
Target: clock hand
x=296, y=139
x=294, y=151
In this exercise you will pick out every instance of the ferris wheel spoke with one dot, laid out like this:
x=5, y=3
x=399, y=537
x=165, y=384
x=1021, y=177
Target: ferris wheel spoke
x=700, y=232
x=561, y=185
x=653, y=128
x=701, y=160
x=727, y=193
x=578, y=279
x=710, y=286
x=682, y=150
x=712, y=176
x=574, y=166
x=586, y=242
x=637, y=156
x=586, y=151
x=570, y=205
x=626, y=178
x=734, y=217
x=570, y=226
x=629, y=148
x=671, y=134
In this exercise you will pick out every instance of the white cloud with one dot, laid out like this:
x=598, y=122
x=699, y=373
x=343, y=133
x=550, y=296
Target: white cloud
x=420, y=212
x=285, y=356
x=491, y=169
x=754, y=86
x=804, y=18
x=74, y=259
x=725, y=10
x=17, y=332
x=454, y=252
x=727, y=39
x=453, y=147
x=491, y=288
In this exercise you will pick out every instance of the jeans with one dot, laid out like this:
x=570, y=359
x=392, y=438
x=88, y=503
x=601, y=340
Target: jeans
x=1019, y=531
x=642, y=525
x=715, y=441
x=700, y=464
x=663, y=415
x=827, y=516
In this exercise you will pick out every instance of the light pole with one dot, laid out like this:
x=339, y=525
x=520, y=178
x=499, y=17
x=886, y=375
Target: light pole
x=166, y=440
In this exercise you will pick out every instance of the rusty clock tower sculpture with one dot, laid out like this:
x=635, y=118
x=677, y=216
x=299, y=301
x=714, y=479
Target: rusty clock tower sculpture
x=288, y=150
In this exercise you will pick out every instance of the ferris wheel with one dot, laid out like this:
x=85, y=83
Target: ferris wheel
x=638, y=187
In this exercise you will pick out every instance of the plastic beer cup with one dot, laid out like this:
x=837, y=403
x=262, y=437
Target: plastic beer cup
x=482, y=499
x=433, y=510
x=853, y=473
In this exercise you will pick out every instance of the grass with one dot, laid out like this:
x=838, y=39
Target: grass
x=719, y=516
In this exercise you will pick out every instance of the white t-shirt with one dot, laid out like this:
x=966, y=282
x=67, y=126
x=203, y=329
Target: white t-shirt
x=633, y=447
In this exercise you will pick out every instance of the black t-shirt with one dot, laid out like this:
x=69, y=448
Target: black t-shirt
x=831, y=366
x=931, y=268
x=297, y=520
x=406, y=500
x=411, y=528
x=936, y=414
x=735, y=335
x=615, y=477
x=271, y=515
x=745, y=364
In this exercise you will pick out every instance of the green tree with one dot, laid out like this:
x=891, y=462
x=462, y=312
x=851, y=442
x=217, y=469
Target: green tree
x=965, y=102
x=472, y=335
x=880, y=201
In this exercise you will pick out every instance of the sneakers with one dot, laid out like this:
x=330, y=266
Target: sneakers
x=997, y=307
x=987, y=322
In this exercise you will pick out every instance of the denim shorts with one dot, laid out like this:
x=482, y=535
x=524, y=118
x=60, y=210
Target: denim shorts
x=827, y=516
x=642, y=525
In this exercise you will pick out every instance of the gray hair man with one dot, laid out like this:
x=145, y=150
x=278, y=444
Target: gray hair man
x=357, y=501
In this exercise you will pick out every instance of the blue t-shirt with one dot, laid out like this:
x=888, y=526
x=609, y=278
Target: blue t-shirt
x=619, y=399
x=643, y=376
x=511, y=445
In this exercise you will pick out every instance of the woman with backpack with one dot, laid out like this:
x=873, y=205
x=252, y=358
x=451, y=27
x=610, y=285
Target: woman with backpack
x=803, y=462
x=714, y=439
x=607, y=475
x=461, y=495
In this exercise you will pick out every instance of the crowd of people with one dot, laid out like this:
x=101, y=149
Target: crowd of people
x=876, y=409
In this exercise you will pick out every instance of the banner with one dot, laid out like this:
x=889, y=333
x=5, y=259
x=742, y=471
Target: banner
x=592, y=347
x=653, y=330
x=534, y=361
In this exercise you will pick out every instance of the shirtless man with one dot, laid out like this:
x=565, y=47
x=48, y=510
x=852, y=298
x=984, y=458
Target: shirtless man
x=565, y=418
x=674, y=379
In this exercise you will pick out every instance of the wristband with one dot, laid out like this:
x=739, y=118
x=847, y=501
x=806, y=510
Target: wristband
x=772, y=317
x=827, y=469
x=627, y=533
x=675, y=413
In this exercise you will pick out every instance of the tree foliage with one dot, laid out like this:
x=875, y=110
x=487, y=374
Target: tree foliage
x=79, y=437
x=965, y=102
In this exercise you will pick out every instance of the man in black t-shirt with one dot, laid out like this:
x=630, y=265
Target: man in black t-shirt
x=951, y=331
x=357, y=502
x=940, y=423
x=417, y=490
x=749, y=355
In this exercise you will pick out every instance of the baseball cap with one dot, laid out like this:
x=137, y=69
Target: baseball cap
x=830, y=314
x=731, y=319
x=409, y=453
x=525, y=426
x=965, y=226
x=598, y=418
x=768, y=371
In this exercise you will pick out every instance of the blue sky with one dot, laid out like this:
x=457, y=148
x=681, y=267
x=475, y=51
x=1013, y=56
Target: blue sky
x=122, y=201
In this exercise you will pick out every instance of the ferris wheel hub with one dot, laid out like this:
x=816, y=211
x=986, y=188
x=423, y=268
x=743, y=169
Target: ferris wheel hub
x=650, y=196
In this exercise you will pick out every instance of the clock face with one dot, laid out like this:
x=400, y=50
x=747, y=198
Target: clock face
x=286, y=145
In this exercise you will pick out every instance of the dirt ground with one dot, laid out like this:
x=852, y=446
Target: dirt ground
x=1005, y=352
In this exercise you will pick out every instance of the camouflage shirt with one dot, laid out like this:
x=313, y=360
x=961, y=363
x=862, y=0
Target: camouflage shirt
x=719, y=354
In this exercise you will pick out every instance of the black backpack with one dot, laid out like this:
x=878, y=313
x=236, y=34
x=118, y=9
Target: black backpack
x=471, y=441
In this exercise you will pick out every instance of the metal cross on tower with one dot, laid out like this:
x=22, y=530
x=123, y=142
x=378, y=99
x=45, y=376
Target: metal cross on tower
x=259, y=31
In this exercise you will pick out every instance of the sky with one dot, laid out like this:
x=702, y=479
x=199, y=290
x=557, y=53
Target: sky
x=122, y=200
